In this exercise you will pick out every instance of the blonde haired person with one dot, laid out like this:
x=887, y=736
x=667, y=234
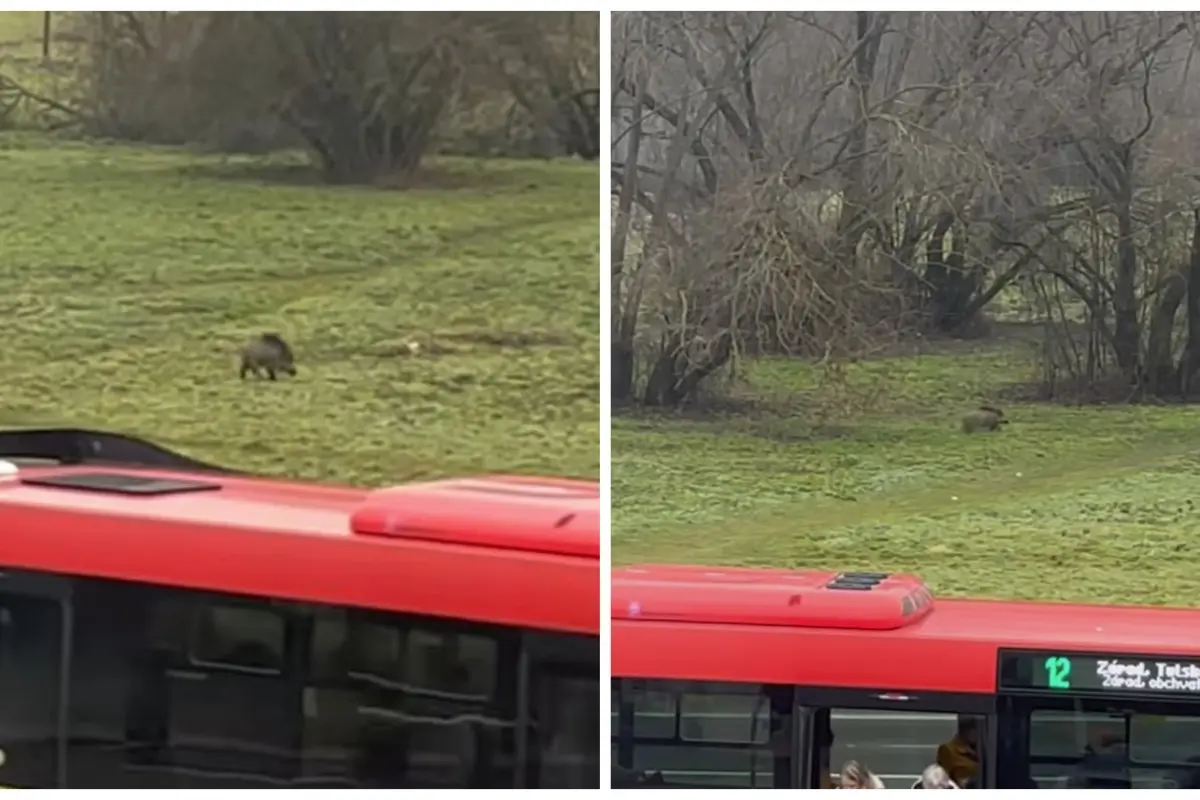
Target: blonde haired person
x=856, y=776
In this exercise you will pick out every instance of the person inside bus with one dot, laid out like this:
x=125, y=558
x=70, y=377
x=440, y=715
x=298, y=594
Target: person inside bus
x=856, y=776
x=934, y=777
x=959, y=755
x=1105, y=762
x=1187, y=778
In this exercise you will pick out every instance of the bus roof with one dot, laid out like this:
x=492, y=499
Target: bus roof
x=791, y=627
x=505, y=550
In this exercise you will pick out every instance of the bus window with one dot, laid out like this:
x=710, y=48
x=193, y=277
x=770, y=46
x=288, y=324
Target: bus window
x=375, y=651
x=568, y=736
x=1086, y=744
x=704, y=735
x=1165, y=739
x=655, y=713
x=460, y=663
x=715, y=716
x=30, y=672
x=1066, y=735
x=564, y=697
x=156, y=707
x=119, y=710
x=232, y=712
x=895, y=745
x=398, y=702
x=243, y=637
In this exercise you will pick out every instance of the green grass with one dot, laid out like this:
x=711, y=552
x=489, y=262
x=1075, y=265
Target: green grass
x=1096, y=503
x=132, y=276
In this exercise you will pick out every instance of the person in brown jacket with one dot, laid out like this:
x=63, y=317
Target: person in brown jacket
x=960, y=755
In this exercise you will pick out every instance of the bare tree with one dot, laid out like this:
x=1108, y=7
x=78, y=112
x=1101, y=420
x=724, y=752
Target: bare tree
x=770, y=180
x=1113, y=118
x=814, y=182
x=367, y=93
x=549, y=62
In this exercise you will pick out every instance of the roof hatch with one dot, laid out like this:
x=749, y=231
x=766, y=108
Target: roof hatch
x=797, y=598
x=119, y=483
x=560, y=517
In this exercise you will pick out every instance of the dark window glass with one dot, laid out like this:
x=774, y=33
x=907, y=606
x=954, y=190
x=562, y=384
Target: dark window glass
x=391, y=702
x=118, y=714
x=233, y=713
x=179, y=689
x=1082, y=744
x=564, y=712
x=31, y=629
x=702, y=735
x=171, y=688
x=246, y=636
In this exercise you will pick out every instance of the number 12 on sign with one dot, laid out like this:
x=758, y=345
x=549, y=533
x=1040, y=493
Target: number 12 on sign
x=1058, y=672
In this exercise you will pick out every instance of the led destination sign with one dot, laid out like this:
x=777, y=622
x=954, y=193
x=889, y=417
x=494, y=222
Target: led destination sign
x=1072, y=672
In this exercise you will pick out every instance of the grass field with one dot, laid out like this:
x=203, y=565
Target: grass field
x=1096, y=503
x=132, y=277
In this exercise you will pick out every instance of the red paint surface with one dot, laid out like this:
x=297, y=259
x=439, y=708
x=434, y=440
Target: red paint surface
x=484, y=549
x=673, y=622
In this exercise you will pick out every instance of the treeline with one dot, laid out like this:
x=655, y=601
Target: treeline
x=366, y=94
x=822, y=183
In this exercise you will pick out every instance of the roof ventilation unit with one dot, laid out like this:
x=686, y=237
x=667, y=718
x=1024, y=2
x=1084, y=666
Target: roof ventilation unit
x=558, y=517
x=795, y=598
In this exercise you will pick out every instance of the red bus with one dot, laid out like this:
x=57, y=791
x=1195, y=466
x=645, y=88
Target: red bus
x=165, y=624
x=772, y=678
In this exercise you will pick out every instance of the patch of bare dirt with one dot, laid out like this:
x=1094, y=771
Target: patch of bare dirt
x=516, y=340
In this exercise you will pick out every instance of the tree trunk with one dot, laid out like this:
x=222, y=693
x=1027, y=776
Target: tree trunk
x=855, y=213
x=660, y=385
x=950, y=286
x=580, y=128
x=1191, y=356
x=1161, y=375
x=1125, y=307
x=673, y=381
x=621, y=358
x=624, y=317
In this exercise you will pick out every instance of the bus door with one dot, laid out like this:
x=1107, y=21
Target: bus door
x=560, y=699
x=894, y=734
x=35, y=646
